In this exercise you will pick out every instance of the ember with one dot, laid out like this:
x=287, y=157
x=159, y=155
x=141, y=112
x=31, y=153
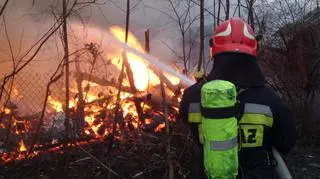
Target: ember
x=98, y=105
x=22, y=146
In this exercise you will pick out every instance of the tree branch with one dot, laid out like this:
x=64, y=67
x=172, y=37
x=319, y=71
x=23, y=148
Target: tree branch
x=4, y=7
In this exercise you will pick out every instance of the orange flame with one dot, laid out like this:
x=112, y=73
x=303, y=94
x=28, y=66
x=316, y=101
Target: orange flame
x=22, y=146
x=148, y=121
x=55, y=104
x=160, y=127
x=6, y=110
x=141, y=73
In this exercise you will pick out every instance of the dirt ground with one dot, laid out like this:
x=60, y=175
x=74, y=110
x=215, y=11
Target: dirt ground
x=143, y=159
x=304, y=160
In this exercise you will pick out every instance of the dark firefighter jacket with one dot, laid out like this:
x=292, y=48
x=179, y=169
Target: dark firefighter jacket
x=280, y=133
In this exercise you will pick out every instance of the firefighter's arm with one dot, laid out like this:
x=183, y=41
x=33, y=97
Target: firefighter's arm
x=184, y=112
x=183, y=108
x=284, y=131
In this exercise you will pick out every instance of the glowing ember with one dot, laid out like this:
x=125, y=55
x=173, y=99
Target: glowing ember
x=160, y=127
x=6, y=110
x=135, y=123
x=175, y=108
x=148, y=121
x=99, y=107
x=22, y=146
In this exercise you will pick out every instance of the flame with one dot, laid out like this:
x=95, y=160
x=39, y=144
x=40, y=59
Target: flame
x=22, y=146
x=99, y=112
x=173, y=79
x=148, y=121
x=20, y=125
x=15, y=92
x=6, y=110
x=55, y=104
x=160, y=127
x=141, y=73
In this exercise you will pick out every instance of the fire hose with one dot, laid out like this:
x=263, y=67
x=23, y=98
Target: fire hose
x=281, y=168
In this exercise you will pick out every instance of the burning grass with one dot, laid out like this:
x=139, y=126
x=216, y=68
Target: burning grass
x=138, y=129
x=142, y=156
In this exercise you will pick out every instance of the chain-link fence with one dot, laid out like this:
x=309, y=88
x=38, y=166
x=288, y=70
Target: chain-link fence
x=23, y=99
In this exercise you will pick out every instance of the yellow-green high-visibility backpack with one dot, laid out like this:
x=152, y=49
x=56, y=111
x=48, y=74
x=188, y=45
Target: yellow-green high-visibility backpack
x=219, y=129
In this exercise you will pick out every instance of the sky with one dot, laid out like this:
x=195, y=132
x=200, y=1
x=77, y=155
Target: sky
x=26, y=22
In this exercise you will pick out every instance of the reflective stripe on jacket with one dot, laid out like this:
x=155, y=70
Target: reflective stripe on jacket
x=256, y=120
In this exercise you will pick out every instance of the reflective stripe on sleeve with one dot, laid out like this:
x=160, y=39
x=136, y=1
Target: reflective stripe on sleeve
x=194, y=108
x=194, y=113
x=194, y=117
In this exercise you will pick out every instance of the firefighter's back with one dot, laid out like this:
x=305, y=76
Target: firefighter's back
x=265, y=123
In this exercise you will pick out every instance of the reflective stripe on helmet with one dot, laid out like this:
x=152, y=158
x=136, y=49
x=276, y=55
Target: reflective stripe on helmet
x=226, y=32
x=246, y=32
x=223, y=145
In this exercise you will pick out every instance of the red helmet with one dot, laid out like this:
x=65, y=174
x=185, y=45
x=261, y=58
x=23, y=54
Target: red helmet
x=234, y=35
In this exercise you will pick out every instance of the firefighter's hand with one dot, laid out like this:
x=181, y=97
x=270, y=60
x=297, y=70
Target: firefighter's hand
x=199, y=75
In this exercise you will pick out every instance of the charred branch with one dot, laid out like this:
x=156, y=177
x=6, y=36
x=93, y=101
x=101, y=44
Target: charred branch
x=102, y=82
x=113, y=83
x=80, y=109
x=66, y=61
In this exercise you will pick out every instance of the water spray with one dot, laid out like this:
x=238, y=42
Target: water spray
x=153, y=61
x=281, y=168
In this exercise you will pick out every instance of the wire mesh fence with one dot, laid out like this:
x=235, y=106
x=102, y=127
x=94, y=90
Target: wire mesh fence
x=23, y=101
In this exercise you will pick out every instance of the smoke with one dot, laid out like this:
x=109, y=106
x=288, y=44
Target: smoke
x=26, y=22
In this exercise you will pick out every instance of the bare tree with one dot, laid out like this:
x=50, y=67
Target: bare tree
x=201, y=34
x=219, y=9
x=184, y=26
x=66, y=61
x=227, y=11
x=239, y=8
x=214, y=12
x=4, y=7
x=290, y=55
x=250, y=4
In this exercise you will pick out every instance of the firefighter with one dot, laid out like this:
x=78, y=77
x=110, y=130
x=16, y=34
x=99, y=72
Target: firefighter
x=265, y=122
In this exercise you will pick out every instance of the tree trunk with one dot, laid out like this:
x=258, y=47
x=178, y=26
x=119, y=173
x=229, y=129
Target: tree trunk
x=81, y=102
x=219, y=8
x=201, y=34
x=127, y=65
x=239, y=7
x=214, y=12
x=251, y=14
x=227, y=9
x=184, y=54
x=66, y=59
